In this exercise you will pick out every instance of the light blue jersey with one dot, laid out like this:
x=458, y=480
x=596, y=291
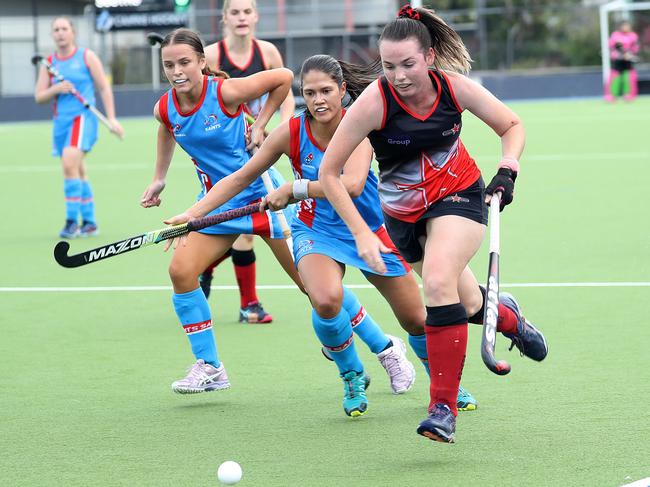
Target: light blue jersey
x=74, y=69
x=316, y=227
x=318, y=213
x=215, y=141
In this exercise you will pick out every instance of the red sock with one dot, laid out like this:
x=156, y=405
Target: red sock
x=507, y=320
x=212, y=266
x=246, y=281
x=446, y=347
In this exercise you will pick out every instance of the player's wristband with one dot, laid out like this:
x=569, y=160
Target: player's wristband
x=301, y=189
x=511, y=163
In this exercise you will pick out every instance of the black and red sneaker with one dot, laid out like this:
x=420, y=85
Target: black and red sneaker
x=254, y=313
x=440, y=425
x=528, y=339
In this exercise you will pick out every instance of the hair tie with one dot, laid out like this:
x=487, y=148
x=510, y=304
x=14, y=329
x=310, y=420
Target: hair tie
x=407, y=12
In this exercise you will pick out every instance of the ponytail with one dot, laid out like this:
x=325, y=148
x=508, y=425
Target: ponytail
x=430, y=31
x=421, y=24
x=358, y=77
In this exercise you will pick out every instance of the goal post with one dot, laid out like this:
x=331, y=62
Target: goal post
x=605, y=11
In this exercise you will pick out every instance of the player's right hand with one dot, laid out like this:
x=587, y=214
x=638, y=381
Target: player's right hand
x=151, y=196
x=116, y=128
x=370, y=248
x=63, y=87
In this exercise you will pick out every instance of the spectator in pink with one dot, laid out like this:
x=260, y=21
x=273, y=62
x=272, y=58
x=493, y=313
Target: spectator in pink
x=623, y=50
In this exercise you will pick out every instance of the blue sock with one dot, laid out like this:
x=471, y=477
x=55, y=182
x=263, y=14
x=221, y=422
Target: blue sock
x=87, y=203
x=193, y=312
x=336, y=336
x=72, y=191
x=362, y=323
x=419, y=345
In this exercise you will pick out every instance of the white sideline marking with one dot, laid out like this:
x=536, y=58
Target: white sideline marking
x=140, y=166
x=282, y=287
x=639, y=483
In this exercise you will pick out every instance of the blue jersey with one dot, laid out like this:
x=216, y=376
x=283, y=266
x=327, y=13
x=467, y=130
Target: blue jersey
x=318, y=213
x=213, y=138
x=74, y=69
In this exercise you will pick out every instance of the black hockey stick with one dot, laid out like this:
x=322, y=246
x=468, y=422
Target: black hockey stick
x=38, y=59
x=145, y=239
x=491, y=313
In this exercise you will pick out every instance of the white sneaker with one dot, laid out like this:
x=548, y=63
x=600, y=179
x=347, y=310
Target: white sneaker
x=202, y=377
x=400, y=371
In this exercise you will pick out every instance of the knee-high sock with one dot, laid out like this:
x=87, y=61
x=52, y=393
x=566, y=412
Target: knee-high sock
x=614, y=83
x=419, y=345
x=244, y=262
x=506, y=321
x=633, y=84
x=72, y=191
x=87, y=203
x=363, y=325
x=193, y=312
x=336, y=336
x=446, y=335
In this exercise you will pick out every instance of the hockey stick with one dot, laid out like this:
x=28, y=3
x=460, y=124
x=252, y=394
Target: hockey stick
x=38, y=59
x=491, y=313
x=145, y=239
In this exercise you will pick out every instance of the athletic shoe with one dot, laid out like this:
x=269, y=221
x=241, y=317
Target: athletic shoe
x=440, y=425
x=528, y=339
x=400, y=371
x=202, y=377
x=254, y=313
x=328, y=356
x=205, y=281
x=88, y=229
x=355, y=402
x=70, y=230
x=465, y=401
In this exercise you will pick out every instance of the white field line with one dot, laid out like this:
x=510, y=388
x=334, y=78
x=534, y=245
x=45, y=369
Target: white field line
x=282, y=287
x=55, y=166
x=639, y=483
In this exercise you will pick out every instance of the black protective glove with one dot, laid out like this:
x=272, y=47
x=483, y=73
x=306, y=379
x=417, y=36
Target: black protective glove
x=503, y=182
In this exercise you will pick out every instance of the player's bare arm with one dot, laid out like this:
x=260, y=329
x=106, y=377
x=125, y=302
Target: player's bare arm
x=164, y=151
x=274, y=60
x=276, y=144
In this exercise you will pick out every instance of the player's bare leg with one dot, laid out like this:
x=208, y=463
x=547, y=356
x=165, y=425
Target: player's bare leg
x=191, y=306
x=451, y=242
x=322, y=278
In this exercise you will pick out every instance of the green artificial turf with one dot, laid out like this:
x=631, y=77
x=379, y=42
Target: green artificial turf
x=85, y=375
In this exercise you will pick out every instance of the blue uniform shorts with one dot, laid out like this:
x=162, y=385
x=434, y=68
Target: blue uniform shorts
x=79, y=131
x=307, y=241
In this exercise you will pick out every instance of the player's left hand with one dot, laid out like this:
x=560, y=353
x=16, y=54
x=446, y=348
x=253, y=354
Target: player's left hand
x=503, y=182
x=116, y=128
x=179, y=219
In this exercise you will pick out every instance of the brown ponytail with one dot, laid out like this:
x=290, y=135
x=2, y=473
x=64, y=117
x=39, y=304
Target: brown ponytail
x=430, y=31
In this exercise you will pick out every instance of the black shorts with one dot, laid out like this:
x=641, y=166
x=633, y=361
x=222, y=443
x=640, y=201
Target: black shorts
x=621, y=65
x=468, y=203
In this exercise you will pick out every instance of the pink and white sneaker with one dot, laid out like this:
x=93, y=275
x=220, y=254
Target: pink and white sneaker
x=202, y=377
x=400, y=370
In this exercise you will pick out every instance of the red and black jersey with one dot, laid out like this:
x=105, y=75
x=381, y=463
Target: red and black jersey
x=254, y=65
x=421, y=157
